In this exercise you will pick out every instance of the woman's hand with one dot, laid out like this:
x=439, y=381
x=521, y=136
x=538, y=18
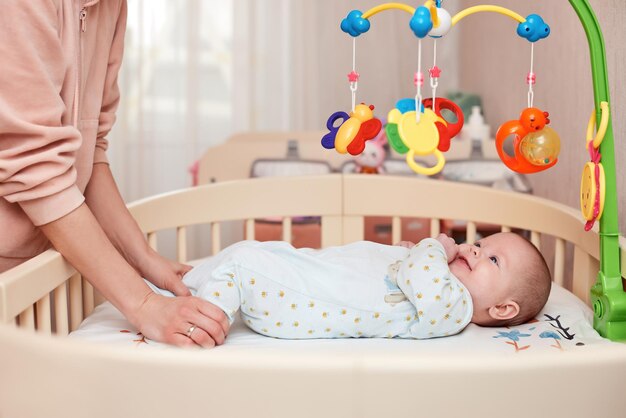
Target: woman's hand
x=169, y=320
x=163, y=273
x=78, y=237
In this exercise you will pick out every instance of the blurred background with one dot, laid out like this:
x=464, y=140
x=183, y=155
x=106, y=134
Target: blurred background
x=197, y=71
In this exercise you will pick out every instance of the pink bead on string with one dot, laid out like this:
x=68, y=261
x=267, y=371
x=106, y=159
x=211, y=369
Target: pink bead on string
x=418, y=78
x=531, y=78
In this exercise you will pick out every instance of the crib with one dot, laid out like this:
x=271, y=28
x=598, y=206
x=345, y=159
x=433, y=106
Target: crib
x=43, y=373
x=48, y=375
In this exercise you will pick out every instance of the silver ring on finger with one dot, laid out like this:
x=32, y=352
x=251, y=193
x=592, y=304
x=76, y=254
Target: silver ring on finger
x=191, y=330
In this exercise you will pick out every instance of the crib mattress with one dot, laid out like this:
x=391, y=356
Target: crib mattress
x=565, y=324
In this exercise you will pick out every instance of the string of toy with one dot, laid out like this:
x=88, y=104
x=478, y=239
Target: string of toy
x=353, y=77
x=434, y=74
x=531, y=78
x=419, y=81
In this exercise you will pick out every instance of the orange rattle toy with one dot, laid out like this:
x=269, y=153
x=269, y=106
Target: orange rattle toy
x=536, y=146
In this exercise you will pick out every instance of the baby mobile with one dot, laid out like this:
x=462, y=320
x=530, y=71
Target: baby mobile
x=416, y=127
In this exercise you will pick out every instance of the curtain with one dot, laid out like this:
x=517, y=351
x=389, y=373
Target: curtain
x=176, y=83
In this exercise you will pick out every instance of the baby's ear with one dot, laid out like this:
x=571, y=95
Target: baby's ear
x=503, y=311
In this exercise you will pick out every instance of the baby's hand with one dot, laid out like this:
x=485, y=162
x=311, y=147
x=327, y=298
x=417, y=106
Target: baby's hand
x=406, y=244
x=449, y=246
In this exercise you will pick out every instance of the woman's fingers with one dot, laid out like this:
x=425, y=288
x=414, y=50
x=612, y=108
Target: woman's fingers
x=184, y=269
x=208, y=318
x=170, y=320
x=200, y=337
x=211, y=311
x=177, y=287
x=181, y=340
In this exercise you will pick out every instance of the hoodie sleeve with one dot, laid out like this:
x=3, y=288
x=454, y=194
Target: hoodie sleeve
x=37, y=152
x=111, y=94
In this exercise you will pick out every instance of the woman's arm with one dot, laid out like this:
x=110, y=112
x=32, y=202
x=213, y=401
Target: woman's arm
x=107, y=205
x=103, y=197
x=37, y=155
x=81, y=240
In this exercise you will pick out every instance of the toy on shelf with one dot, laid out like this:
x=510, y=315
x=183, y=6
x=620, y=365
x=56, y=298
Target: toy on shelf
x=371, y=160
x=592, y=184
x=416, y=126
x=477, y=132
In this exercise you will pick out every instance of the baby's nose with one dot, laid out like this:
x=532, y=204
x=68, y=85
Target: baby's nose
x=469, y=250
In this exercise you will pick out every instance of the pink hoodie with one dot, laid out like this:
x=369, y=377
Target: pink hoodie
x=58, y=96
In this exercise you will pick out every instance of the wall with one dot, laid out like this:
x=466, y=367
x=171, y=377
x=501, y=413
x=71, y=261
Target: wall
x=495, y=61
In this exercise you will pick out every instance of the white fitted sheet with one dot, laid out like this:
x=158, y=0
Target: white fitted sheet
x=573, y=331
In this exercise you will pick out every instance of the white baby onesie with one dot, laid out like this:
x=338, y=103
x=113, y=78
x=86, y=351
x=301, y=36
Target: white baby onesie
x=336, y=292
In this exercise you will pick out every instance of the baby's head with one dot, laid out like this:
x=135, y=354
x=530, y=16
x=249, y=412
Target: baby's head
x=507, y=277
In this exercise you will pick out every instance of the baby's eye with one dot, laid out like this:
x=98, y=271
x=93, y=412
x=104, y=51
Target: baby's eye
x=477, y=244
x=494, y=260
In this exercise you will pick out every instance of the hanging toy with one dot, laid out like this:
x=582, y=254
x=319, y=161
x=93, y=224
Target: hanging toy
x=536, y=146
x=592, y=184
x=417, y=126
x=431, y=135
x=424, y=131
x=421, y=138
x=350, y=135
x=361, y=125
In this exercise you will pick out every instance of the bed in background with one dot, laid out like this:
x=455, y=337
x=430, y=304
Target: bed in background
x=235, y=158
x=276, y=154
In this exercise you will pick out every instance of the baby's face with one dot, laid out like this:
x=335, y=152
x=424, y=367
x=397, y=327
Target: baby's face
x=488, y=268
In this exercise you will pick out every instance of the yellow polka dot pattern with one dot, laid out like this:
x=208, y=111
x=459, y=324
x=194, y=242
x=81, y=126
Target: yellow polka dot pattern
x=437, y=304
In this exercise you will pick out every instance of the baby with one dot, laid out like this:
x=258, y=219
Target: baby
x=432, y=289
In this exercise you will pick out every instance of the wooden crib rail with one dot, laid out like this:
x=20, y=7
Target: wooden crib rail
x=241, y=200
x=406, y=197
x=47, y=294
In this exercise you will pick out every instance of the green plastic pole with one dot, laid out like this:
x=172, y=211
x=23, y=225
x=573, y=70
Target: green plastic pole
x=607, y=294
